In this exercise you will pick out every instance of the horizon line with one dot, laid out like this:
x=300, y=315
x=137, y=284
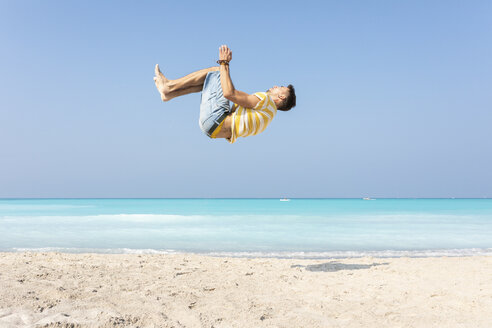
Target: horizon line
x=34, y=198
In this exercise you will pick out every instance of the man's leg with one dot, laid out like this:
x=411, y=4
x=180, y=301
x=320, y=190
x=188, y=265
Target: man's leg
x=188, y=84
x=182, y=92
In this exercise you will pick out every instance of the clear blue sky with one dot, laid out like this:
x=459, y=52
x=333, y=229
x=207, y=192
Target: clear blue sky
x=394, y=98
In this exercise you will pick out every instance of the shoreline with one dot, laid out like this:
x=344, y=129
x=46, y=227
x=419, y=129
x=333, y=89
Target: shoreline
x=191, y=290
x=294, y=255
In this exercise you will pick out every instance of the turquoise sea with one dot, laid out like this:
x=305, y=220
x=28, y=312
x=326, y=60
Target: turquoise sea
x=299, y=228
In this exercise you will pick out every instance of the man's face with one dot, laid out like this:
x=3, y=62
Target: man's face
x=282, y=92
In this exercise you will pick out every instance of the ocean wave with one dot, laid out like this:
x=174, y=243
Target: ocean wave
x=90, y=250
x=108, y=217
x=357, y=254
x=329, y=217
x=275, y=254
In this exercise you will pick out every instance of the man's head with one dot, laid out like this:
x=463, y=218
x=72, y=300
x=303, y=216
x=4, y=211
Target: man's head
x=284, y=97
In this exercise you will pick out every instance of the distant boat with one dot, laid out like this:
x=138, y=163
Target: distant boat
x=284, y=199
x=368, y=198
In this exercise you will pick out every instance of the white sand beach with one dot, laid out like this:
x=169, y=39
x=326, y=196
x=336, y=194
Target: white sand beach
x=187, y=290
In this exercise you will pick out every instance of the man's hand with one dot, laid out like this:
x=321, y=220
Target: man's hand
x=230, y=93
x=225, y=53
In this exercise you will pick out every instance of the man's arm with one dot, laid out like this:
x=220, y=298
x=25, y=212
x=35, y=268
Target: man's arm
x=238, y=97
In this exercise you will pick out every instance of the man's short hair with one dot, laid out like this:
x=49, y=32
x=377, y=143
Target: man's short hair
x=290, y=101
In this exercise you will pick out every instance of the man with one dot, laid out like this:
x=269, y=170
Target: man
x=250, y=113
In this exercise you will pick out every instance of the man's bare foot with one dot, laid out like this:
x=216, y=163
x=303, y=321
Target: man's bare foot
x=162, y=84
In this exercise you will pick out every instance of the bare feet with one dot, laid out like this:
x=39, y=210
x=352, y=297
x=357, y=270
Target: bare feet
x=162, y=84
